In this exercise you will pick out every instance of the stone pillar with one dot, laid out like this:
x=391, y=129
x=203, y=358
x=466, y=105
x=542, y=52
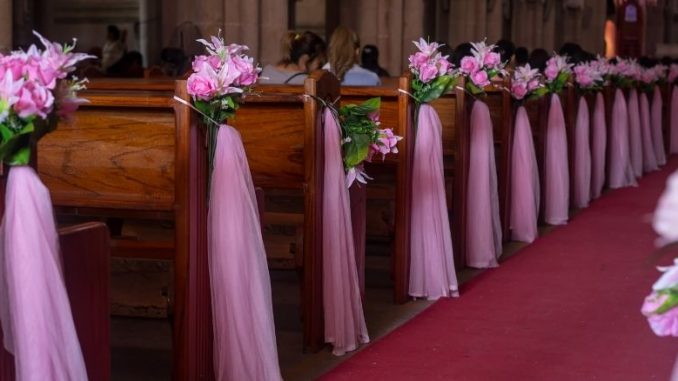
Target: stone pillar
x=149, y=31
x=5, y=25
x=241, y=24
x=272, y=24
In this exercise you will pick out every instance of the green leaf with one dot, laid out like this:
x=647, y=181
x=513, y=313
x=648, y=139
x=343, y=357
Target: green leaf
x=355, y=152
x=21, y=157
x=435, y=89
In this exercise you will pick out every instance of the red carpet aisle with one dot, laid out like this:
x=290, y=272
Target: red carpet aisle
x=565, y=308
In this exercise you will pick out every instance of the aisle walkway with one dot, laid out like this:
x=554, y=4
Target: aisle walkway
x=565, y=308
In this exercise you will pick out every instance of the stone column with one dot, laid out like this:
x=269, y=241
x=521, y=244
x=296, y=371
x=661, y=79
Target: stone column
x=149, y=31
x=5, y=25
x=241, y=24
x=272, y=24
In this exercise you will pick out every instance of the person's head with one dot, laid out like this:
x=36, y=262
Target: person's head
x=570, y=50
x=112, y=33
x=538, y=59
x=462, y=50
x=370, y=56
x=306, y=50
x=344, y=50
x=505, y=48
x=522, y=56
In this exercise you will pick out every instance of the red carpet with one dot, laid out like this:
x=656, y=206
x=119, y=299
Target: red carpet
x=564, y=308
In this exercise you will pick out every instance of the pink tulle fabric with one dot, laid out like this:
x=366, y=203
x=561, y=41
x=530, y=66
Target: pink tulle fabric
x=483, y=241
x=658, y=126
x=582, y=158
x=635, y=134
x=674, y=120
x=36, y=316
x=649, y=157
x=621, y=172
x=598, y=147
x=557, y=184
x=358, y=196
x=432, y=272
x=242, y=310
x=524, y=181
x=345, y=325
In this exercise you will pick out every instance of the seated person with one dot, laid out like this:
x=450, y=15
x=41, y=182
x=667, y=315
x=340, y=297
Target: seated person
x=343, y=60
x=302, y=53
x=370, y=61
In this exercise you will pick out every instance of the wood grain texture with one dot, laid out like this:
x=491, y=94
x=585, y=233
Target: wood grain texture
x=112, y=157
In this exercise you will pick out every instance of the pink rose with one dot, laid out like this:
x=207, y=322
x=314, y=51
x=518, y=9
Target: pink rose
x=519, y=90
x=202, y=86
x=492, y=59
x=480, y=79
x=469, y=65
x=248, y=73
x=427, y=73
x=34, y=101
x=444, y=66
x=417, y=60
x=533, y=84
x=665, y=324
x=551, y=72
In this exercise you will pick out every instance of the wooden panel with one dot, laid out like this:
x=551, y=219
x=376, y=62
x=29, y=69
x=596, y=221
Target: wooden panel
x=273, y=136
x=85, y=253
x=112, y=157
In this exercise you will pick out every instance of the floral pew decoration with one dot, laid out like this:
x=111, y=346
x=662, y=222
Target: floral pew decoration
x=673, y=84
x=557, y=74
x=588, y=79
x=432, y=272
x=484, y=234
x=362, y=139
x=599, y=126
x=37, y=91
x=525, y=85
x=627, y=75
x=650, y=81
x=242, y=311
x=661, y=305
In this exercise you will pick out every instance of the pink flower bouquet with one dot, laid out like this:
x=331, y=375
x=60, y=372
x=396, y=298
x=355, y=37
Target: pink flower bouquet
x=432, y=72
x=660, y=306
x=526, y=83
x=35, y=93
x=589, y=76
x=481, y=67
x=649, y=77
x=363, y=139
x=673, y=74
x=625, y=73
x=218, y=82
x=557, y=73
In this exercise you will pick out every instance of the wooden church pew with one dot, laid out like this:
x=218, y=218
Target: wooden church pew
x=147, y=155
x=85, y=254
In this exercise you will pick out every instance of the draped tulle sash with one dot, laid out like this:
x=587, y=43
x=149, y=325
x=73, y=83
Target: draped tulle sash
x=35, y=311
x=621, y=172
x=582, y=159
x=524, y=182
x=432, y=272
x=674, y=120
x=483, y=241
x=358, y=199
x=598, y=147
x=635, y=134
x=649, y=157
x=345, y=325
x=557, y=184
x=658, y=126
x=244, y=332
